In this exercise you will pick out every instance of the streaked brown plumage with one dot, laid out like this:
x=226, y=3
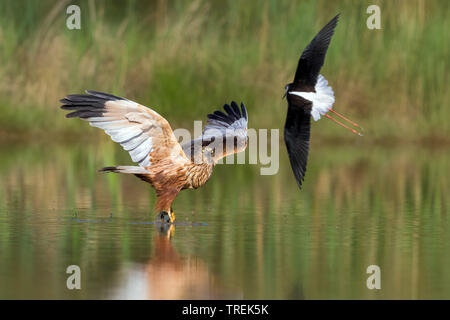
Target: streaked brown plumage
x=148, y=137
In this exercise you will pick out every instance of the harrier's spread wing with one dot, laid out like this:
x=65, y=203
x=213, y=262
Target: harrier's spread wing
x=224, y=133
x=142, y=132
x=313, y=57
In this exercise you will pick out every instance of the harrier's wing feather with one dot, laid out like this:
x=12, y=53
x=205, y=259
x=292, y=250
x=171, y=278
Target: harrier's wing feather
x=235, y=120
x=221, y=128
x=145, y=134
x=228, y=135
x=313, y=57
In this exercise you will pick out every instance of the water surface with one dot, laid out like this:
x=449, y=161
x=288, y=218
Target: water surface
x=242, y=235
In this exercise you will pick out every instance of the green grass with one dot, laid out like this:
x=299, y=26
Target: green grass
x=185, y=58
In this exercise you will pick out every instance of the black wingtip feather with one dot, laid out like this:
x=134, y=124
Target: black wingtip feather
x=233, y=113
x=87, y=105
x=103, y=95
x=236, y=111
x=230, y=112
x=84, y=114
x=220, y=116
x=313, y=57
x=244, y=111
x=297, y=136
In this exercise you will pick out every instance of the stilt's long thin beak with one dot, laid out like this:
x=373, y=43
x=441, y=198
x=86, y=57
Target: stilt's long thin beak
x=285, y=92
x=346, y=127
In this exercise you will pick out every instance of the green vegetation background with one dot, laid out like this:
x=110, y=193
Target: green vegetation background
x=186, y=58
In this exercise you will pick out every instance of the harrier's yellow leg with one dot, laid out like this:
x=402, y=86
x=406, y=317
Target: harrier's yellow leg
x=172, y=216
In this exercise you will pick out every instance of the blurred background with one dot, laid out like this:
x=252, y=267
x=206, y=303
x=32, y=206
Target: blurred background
x=381, y=199
x=185, y=57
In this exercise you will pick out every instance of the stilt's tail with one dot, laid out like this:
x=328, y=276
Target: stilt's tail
x=125, y=169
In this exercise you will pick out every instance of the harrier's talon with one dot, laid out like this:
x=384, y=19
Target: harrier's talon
x=166, y=217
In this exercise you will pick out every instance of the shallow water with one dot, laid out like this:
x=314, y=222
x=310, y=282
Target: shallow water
x=242, y=235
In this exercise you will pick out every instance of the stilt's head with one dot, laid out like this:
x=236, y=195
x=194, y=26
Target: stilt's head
x=286, y=90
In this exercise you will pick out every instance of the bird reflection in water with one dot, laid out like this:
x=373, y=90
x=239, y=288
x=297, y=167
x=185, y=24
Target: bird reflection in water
x=168, y=275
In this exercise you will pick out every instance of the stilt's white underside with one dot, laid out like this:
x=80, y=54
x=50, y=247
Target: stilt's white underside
x=322, y=100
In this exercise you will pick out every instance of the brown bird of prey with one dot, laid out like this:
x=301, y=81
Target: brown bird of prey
x=309, y=95
x=148, y=137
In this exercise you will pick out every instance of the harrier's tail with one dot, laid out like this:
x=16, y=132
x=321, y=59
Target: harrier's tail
x=139, y=172
x=125, y=169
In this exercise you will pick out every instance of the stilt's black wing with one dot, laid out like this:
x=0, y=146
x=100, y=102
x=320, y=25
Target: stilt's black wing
x=312, y=58
x=296, y=136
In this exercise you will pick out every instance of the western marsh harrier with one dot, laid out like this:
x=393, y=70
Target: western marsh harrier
x=168, y=166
